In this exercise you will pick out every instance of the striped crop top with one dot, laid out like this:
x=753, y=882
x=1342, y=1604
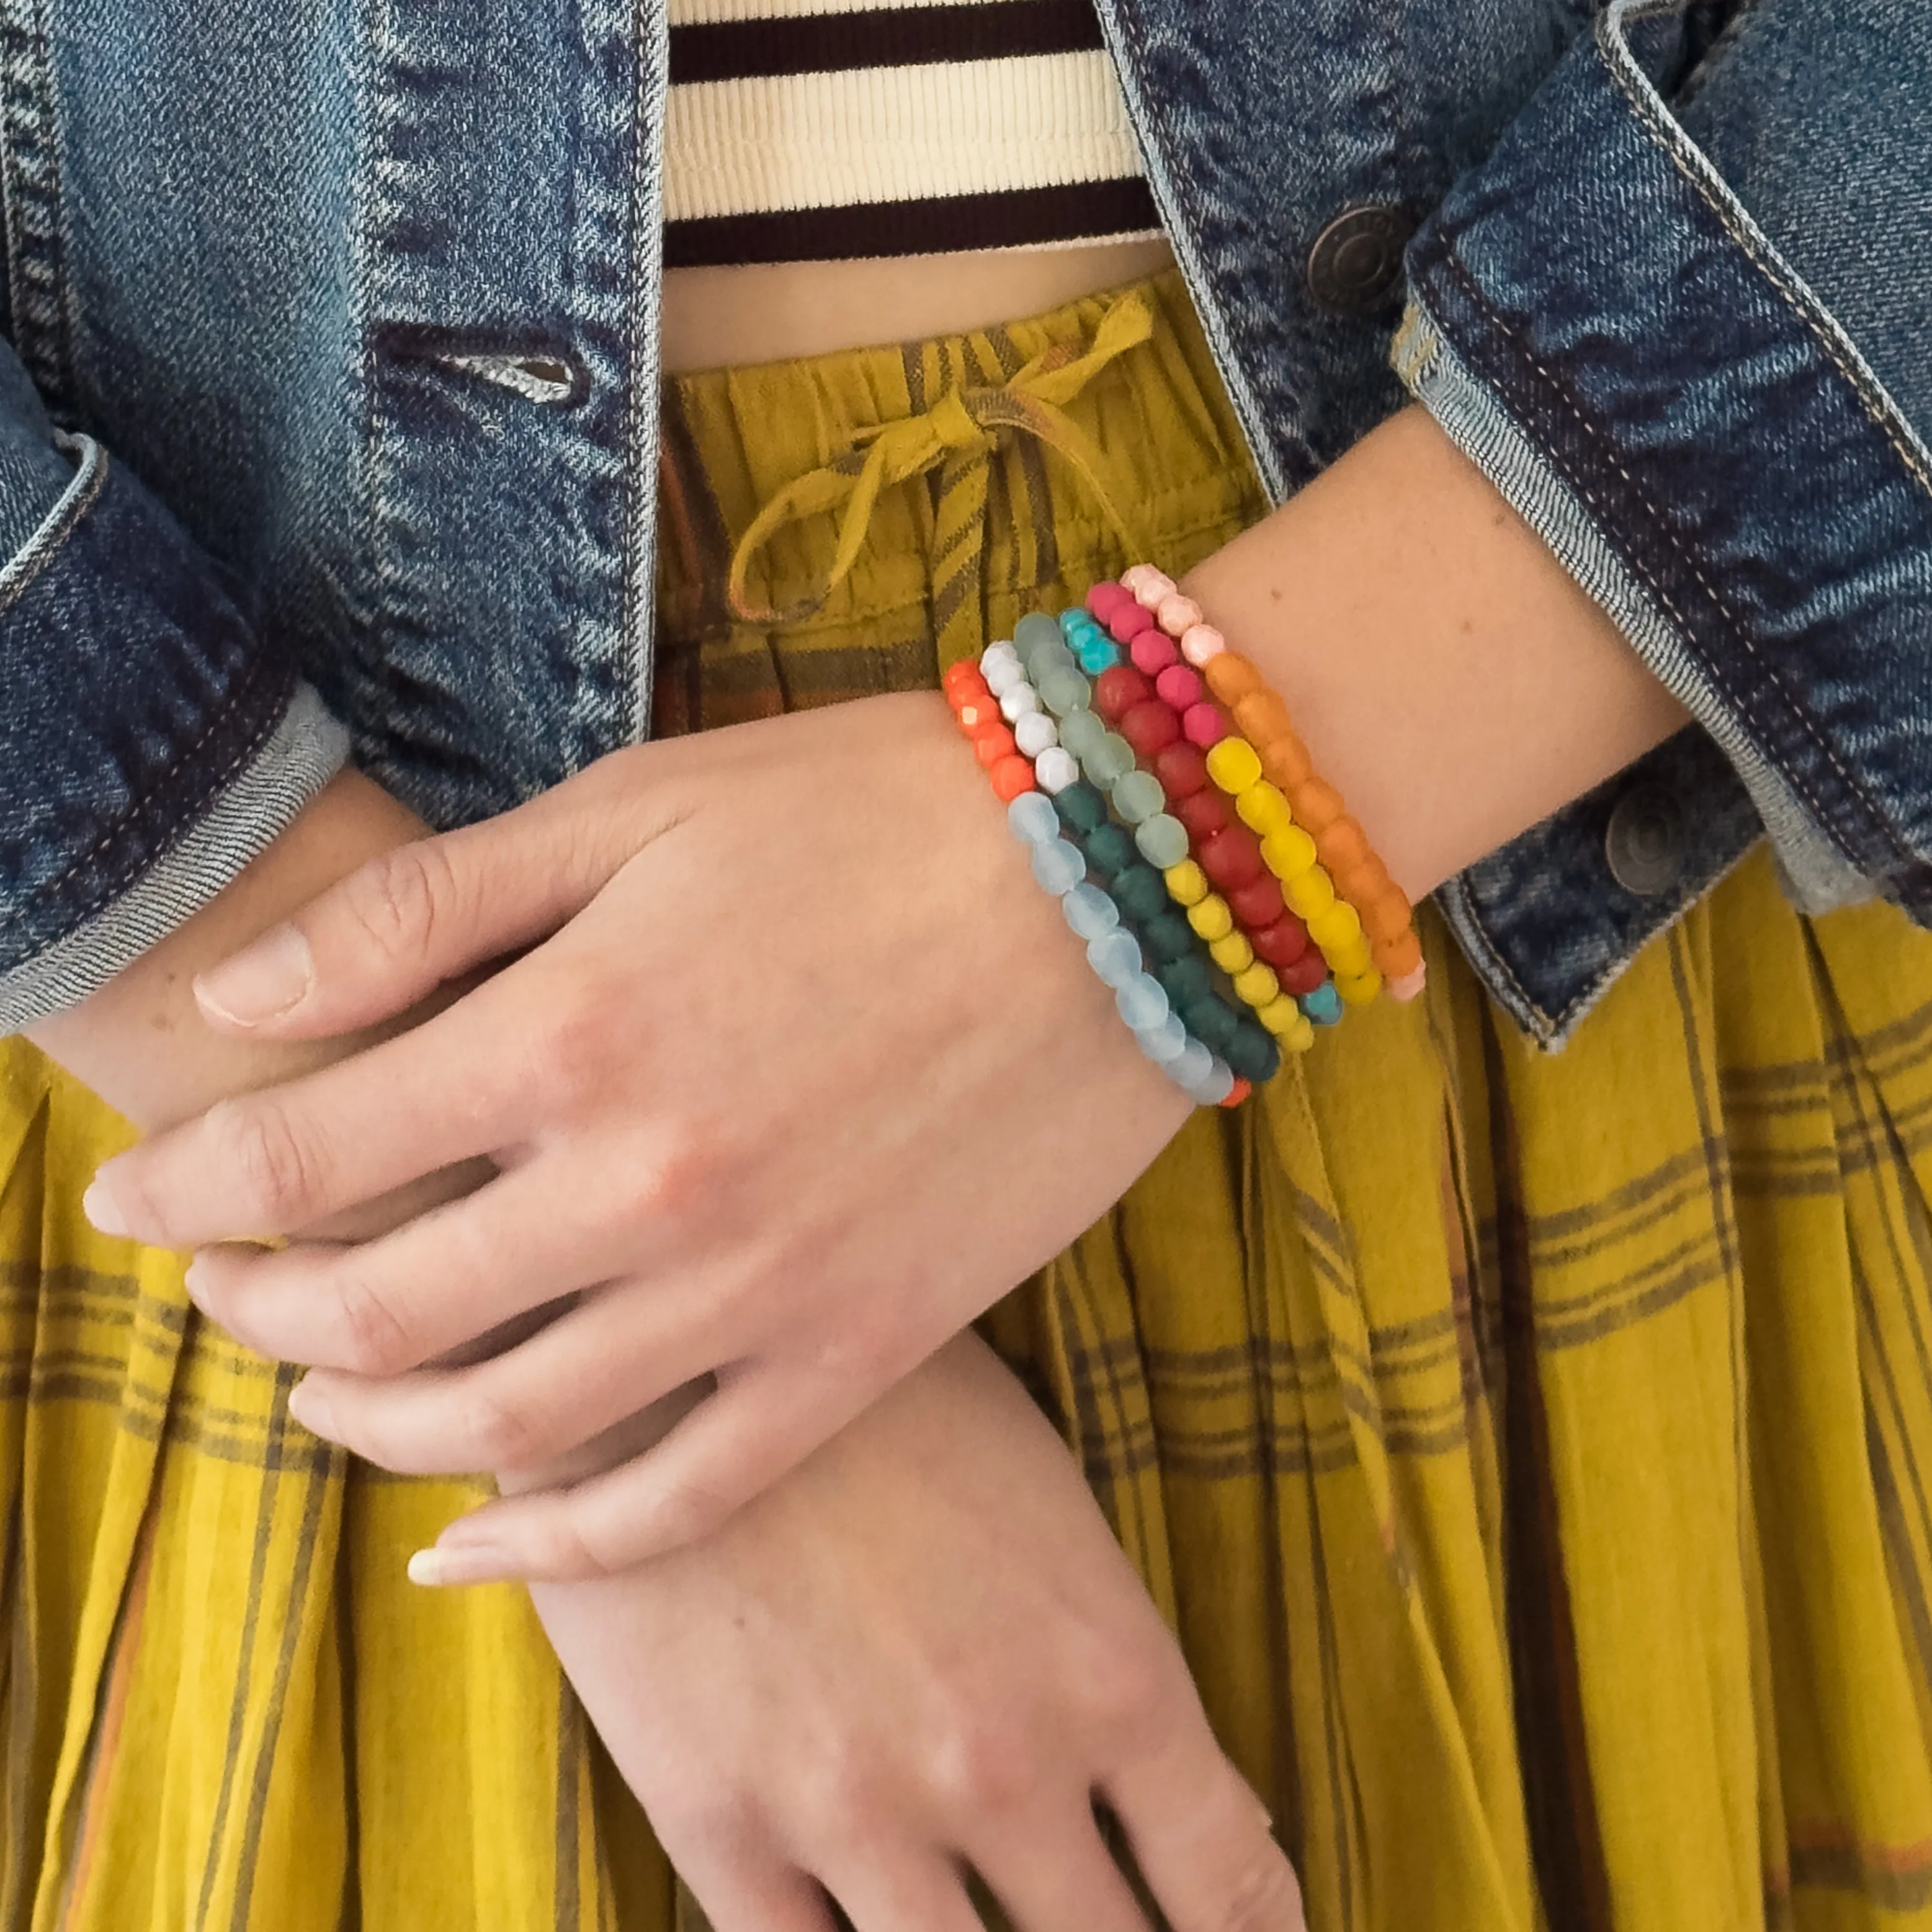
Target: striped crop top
x=820, y=130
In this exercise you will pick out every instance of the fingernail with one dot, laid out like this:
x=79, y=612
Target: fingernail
x=100, y=1207
x=313, y=1409
x=262, y=982
x=467, y=1563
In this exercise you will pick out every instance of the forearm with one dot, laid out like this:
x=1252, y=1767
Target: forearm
x=1450, y=678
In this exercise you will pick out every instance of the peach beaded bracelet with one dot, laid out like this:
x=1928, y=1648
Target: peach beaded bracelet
x=1358, y=916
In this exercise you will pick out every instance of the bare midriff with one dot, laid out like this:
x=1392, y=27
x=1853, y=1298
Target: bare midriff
x=720, y=318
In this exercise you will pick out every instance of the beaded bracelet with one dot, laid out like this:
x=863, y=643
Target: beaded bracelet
x=1162, y=839
x=1061, y=868
x=1136, y=855
x=1371, y=902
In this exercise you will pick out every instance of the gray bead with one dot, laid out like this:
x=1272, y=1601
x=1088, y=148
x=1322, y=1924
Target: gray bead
x=1090, y=911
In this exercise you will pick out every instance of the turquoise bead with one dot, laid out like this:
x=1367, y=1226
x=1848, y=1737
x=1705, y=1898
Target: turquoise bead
x=1162, y=840
x=1100, y=655
x=1059, y=866
x=1138, y=796
x=1090, y=911
x=1323, y=1005
x=1115, y=956
x=1141, y=1002
x=1028, y=823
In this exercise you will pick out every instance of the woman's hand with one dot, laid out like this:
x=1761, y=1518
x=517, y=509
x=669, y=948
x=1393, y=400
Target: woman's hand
x=921, y=1652
x=803, y=1073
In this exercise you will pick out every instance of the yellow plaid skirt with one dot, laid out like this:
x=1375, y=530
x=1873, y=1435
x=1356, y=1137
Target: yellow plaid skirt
x=1534, y=1453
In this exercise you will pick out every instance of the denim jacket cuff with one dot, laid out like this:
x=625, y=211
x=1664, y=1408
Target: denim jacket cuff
x=156, y=747
x=1706, y=450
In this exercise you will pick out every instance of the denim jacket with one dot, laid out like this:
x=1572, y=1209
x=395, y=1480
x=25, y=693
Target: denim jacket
x=328, y=426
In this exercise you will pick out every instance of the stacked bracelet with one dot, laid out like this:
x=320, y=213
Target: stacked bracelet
x=990, y=719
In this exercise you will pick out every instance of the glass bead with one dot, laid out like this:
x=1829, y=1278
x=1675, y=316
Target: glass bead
x=1096, y=659
x=1191, y=1066
x=1304, y=975
x=1288, y=854
x=1211, y=918
x=1056, y=769
x=1106, y=597
x=1234, y=764
x=1232, y=857
x=1032, y=819
x=1036, y=627
x=1258, y=987
x=1180, y=686
x=1111, y=847
x=1282, y=944
x=1017, y=701
x=1138, y=796
x=1117, y=691
x=1342, y=845
x=1186, y=980
x=1203, y=813
x=1141, y=1002
x=1310, y=893
x=1409, y=984
x=1167, y=936
x=1034, y=734
x=1115, y=956
x=1064, y=692
x=1204, y=725
x=1210, y=1020
x=1166, y=1041
x=1218, y=1084
x=1090, y=911
x=1323, y=1005
x=1257, y=906
x=992, y=743
x=1252, y=1053
x=1261, y=717
x=1162, y=840
x=1058, y=866
x=959, y=675
x=1112, y=758
x=974, y=712
x=1335, y=926
x=1233, y=953
x=1002, y=650
x=1281, y=1015
x=1152, y=652
x=1139, y=893
x=1010, y=777
x=1286, y=763
x=1151, y=587
x=1187, y=883
x=1353, y=956
x=1231, y=678
x=1182, y=769
x=1263, y=811
x=1044, y=658
x=1400, y=957
x=1128, y=622
x=1358, y=989
x=1201, y=643
x=1082, y=806
x=1178, y=614
x=1150, y=728
x=1081, y=732
x=1002, y=675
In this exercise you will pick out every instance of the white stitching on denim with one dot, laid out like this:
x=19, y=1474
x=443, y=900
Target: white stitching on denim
x=1672, y=139
x=1458, y=889
x=1799, y=716
x=46, y=544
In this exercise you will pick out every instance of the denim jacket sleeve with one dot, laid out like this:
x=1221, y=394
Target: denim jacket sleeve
x=150, y=743
x=1678, y=315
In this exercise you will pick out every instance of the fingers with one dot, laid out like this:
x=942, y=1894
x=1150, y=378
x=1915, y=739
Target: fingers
x=384, y=1306
x=571, y=1381
x=284, y=1159
x=743, y=1895
x=882, y=1894
x=1047, y=1879
x=1202, y=1839
x=757, y=1426
x=392, y=932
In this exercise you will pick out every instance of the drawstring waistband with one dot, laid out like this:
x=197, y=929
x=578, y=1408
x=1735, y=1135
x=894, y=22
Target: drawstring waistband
x=956, y=436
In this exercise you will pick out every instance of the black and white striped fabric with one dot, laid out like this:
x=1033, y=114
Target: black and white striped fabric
x=806, y=131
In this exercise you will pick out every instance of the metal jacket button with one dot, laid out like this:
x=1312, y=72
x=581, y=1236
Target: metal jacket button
x=1357, y=259
x=1647, y=840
